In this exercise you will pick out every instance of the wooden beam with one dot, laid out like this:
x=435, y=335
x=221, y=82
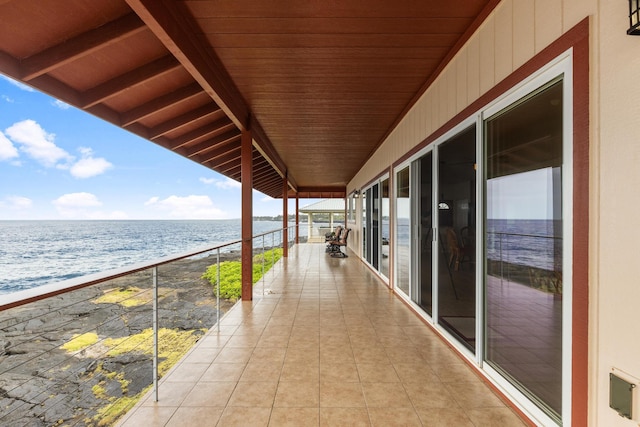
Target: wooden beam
x=217, y=127
x=229, y=156
x=123, y=82
x=182, y=120
x=212, y=148
x=81, y=45
x=174, y=26
x=160, y=104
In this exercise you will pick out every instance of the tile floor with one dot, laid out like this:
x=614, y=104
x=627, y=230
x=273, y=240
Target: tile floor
x=323, y=343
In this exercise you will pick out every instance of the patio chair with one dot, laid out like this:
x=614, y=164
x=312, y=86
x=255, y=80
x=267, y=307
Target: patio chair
x=335, y=245
x=334, y=235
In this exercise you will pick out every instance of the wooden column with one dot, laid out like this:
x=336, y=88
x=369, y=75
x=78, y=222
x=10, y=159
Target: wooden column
x=246, y=170
x=285, y=216
x=297, y=219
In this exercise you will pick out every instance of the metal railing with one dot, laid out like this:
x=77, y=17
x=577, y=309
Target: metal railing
x=83, y=351
x=530, y=259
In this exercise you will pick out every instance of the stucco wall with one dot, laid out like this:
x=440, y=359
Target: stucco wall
x=514, y=33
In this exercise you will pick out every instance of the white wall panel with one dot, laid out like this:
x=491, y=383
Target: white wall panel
x=504, y=41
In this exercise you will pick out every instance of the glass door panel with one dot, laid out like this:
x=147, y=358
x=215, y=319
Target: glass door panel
x=403, y=231
x=375, y=225
x=456, y=236
x=423, y=286
x=365, y=239
x=524, y=220
x=384, y=228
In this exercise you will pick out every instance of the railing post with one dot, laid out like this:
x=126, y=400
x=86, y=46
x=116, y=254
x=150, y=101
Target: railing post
x=155, y=332
x=218, y=293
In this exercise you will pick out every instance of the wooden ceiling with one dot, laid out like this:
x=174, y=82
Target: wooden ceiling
x=319, y=83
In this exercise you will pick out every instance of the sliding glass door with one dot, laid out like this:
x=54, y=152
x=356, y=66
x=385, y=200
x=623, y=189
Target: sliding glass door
x=423, y=232
x=376, y=226
x=403, y=230
x=457, y=236
x=491, y=270
x=524, y=245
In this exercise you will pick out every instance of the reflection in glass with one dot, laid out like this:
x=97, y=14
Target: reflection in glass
x=457, y=236
x=523, y=282
x=384, y=229
x=423, y=294
x=374, y=202
x=403, y=230
x=364, y=224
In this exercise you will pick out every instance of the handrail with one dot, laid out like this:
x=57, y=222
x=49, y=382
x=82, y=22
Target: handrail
x=27, y=296
x=502, y=233
x=29, y=360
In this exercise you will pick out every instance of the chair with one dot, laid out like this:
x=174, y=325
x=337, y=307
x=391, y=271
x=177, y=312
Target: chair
x=457, y=252
x=334, y=235
x=335, y=245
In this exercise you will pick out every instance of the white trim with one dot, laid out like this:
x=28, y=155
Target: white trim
x=480, y=255
x=560, y=66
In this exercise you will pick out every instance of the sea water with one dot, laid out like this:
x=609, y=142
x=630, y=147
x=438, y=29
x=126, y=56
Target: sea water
x=35, y=253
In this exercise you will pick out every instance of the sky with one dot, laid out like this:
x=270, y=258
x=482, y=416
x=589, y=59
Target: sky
x=58, y=162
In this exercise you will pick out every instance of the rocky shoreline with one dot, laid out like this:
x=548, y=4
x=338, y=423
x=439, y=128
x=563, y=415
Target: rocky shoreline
x=82, y=358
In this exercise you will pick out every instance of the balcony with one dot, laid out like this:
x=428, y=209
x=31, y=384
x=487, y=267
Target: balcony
x=324, y=342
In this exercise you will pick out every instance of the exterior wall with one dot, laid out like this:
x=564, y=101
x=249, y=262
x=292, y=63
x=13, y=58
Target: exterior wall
x=614, y=256
x=515, y=32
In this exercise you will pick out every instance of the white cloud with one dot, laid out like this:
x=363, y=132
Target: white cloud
x=18, y=84
x=267, y=199
x=77, y=200
x=7, y=99
x=7, y=149
x=189, y=207
x=37, y=143
x=228, y=184
x=61, y=105
x=77, y=205
x=88, y=165
x=152, y=200
x=17, y=202
x=207, y=180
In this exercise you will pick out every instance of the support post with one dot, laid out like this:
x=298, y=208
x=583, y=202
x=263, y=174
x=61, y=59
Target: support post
x=246, y=170
x=297, y=219
x=285, y=216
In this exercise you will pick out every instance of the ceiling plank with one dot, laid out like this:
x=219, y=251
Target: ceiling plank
x=123, y=82
x=81, y=45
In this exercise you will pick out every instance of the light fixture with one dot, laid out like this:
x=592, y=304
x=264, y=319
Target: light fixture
x=634, y=18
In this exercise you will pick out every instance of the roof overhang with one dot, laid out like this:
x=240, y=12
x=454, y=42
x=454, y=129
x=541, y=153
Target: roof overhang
x=319, y=85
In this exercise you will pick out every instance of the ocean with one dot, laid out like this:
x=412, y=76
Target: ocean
x=35, y=253
x=528, y=242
